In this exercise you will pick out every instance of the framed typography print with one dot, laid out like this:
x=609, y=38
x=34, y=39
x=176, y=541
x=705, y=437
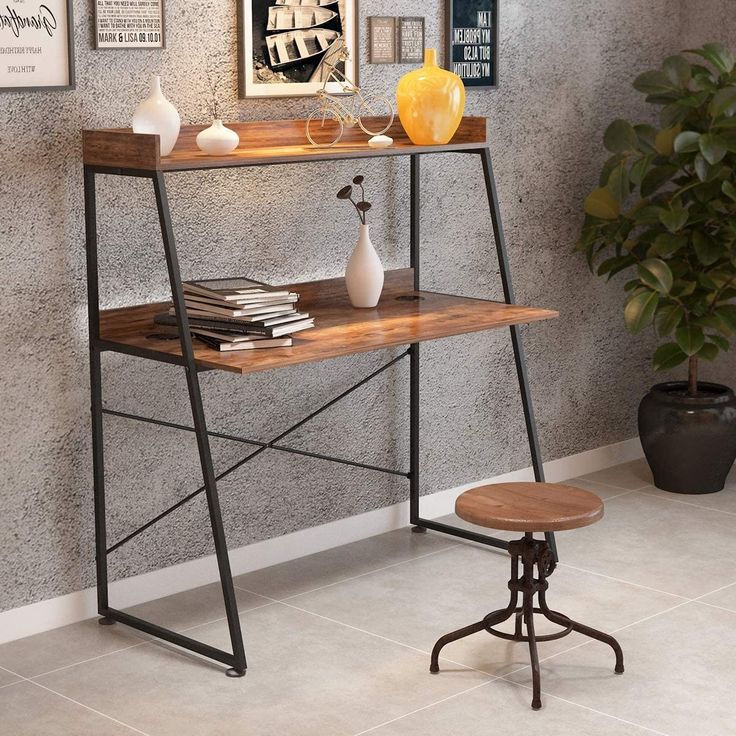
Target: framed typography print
x=129, y=24
x=36, y=45
x=472, y=41
x=411, y=40
x=382, y=35
x=283, y=46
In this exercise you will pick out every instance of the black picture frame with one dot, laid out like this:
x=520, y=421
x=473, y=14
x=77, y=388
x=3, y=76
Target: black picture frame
x=459, y=16
x=71, y=76
x=403, y=56
x=162, y=45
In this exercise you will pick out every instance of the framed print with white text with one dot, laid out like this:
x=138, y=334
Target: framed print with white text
x=129, y=24
x=472, y=41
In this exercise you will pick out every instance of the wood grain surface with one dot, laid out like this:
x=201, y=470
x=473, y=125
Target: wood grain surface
x=340, y=329
x=529, y=507
x=261, y=143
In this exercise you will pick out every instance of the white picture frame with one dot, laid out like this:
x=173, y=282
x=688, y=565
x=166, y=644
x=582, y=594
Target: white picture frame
x=36, y=45
x=257, y=77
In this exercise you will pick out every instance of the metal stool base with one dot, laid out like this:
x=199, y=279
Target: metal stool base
x=532, y=553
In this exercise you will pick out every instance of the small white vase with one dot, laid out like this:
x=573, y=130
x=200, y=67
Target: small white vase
x=364, y=274
x=217, y=140
x=157, y=115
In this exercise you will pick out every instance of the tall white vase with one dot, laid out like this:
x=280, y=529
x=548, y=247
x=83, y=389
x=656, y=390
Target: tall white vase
x=364, y=274
x=157, y=115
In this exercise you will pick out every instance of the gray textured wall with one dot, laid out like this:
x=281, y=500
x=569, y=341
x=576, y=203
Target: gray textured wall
x=565, y=72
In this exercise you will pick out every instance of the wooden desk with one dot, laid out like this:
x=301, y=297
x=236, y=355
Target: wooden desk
x=405, y=315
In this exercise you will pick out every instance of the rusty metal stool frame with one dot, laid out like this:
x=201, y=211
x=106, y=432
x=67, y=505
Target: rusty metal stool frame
x=532, y=553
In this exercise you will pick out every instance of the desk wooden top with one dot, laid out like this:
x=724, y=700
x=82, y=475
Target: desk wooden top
x=340, y=329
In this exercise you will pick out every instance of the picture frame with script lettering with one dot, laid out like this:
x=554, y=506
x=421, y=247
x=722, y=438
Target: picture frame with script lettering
x=472, y=42
x=36, y=45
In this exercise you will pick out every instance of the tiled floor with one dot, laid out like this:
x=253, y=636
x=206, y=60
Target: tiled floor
x=338, y=643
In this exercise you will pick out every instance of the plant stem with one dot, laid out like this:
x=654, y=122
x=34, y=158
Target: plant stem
x=692, y=380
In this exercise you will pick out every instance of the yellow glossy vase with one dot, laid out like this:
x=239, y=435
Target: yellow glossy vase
x=431, y=102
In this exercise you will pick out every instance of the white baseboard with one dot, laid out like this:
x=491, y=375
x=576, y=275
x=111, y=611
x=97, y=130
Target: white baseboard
x=55, y=612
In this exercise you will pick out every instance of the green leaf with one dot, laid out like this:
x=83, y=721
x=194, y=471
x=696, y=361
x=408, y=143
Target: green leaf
x=707, y=250
x=720, y=341
x=723, y=102
x=678, y=70
x=668, y=318
x=618, y=183
x=656, y=274
x=727, y=312
x=654, y=83
x=602, y=204
x=672, y=115
x=639, y=310
x=690, y=339
x=709, y=351
x=648, y=215
x=683, y=288
x=620, y=137
x=674, y=219
x=668, y=356
x=687, y=142
x=665, y=139
x=656, y=178
x=702, y=169
x=718, y=55
x=712, y=148
x=639, y=169
x=729, y=190
x=608, y=167
x=666, y=244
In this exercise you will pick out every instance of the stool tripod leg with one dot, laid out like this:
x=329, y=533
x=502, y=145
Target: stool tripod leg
x=558, y=618
x=528, y=606
x=434, y=667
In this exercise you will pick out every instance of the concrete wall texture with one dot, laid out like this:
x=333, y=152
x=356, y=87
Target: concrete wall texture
x=565, y=68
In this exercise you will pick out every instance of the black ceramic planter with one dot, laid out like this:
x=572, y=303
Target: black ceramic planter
x=689, y=441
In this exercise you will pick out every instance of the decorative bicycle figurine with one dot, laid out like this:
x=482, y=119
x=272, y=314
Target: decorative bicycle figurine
x=326, y=124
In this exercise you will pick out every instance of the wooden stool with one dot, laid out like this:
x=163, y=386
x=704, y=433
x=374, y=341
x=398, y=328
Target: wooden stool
x=529, y=508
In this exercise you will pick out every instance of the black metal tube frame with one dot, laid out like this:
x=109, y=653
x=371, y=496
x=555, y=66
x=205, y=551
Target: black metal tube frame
x=237, y=660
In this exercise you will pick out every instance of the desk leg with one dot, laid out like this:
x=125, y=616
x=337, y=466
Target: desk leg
x=200, y=428
x=519, y=357
x=95, y=385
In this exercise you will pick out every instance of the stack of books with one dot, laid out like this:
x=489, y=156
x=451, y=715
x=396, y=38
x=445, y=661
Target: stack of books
x=240, y=314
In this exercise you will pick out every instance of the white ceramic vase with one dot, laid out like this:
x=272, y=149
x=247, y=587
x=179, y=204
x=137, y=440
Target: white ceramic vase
x=217, y=140
x=364, y=274
x=157, y=115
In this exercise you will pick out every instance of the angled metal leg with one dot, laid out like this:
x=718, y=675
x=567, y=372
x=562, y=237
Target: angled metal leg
x=519, y=357
x=200, y=428
x=95, y=374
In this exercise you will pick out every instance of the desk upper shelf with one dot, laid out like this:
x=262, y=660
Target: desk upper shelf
x=340, y=329
x=261, y=143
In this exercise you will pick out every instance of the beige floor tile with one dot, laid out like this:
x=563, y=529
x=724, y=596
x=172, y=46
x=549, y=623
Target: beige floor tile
x=679, y=673
x=7, y=677
x=503, y=708
x=600, y=489
x=417, y=602
x=629, y=476
x=307, y=676
x=649, y=541
x=29, y=710
x=725, y=598
x=61, y=647
x=340, y=563
x=724, y=500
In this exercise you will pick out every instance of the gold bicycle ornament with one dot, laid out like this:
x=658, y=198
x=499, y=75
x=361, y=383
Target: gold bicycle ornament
x=325, y=126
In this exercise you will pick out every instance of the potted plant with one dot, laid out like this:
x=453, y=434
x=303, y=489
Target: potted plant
x=665, y=211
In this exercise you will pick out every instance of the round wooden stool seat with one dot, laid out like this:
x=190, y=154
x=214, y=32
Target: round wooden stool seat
x=529, y=507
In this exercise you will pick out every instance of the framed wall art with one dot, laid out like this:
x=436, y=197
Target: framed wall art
x=472, y=41
x=410, y=35
x=36, y=45
x=129, y=24
x=382, y=39
x=282, y=43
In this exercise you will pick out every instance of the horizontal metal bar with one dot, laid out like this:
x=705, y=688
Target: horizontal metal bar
x=257, y=452
x=456, y=531
x=235, y=438
x=171, y=636
x=116, y=347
